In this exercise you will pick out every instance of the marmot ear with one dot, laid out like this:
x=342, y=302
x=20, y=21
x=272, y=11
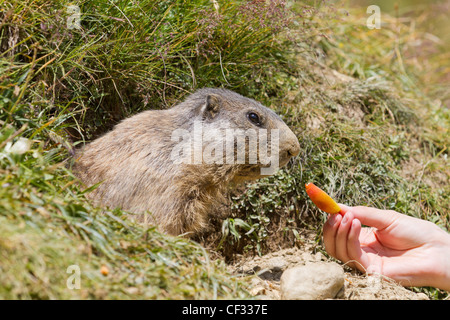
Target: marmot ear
x=211, y=107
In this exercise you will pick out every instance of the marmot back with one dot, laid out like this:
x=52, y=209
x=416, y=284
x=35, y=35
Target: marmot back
x=174, y=166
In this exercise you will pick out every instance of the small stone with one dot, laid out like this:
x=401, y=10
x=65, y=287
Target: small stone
x=276, y=264
x=313, y=281
x=257, y=291
x=132, y=290
x=319, y=257
x=422, y=296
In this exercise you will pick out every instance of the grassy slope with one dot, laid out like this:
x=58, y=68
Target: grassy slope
x=373, y=133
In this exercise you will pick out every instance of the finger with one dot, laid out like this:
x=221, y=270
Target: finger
x=354, y=247
x=342, y=237
x=344, y=208
x=329, y=233
x=372, y=217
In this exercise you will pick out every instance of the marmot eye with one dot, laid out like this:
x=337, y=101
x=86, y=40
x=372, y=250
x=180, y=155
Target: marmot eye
x=253, y=117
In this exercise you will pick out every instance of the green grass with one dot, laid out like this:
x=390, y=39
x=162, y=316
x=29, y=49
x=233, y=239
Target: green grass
x=128, y=57
x=374, y=133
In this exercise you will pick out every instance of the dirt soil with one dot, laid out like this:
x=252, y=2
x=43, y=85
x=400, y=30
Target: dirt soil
x=267, y=271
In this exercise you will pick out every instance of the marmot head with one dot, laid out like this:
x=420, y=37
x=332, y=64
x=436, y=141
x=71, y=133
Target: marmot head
x=226, y=128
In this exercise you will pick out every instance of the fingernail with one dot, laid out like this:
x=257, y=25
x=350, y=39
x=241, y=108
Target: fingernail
x=345, y=219
x=332, y=220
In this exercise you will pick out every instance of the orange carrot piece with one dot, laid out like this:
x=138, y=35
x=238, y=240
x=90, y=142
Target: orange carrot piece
x=322, y=200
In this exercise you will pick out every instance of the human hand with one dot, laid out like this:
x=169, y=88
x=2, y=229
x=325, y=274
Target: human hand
x=411, y=251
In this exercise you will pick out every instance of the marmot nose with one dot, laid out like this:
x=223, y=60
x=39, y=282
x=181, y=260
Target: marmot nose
x=292, y=145
x=294, y=149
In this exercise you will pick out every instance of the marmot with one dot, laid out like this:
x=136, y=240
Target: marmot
x=143, y=167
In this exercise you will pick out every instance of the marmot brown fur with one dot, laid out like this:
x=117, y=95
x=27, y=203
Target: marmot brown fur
x=140, y=169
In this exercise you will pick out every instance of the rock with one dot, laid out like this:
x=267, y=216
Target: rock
x=313, y=281
x=422, y=296
x=264, y=290
x=274, y=268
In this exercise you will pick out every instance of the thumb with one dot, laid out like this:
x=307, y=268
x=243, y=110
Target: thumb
x=372, y=217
